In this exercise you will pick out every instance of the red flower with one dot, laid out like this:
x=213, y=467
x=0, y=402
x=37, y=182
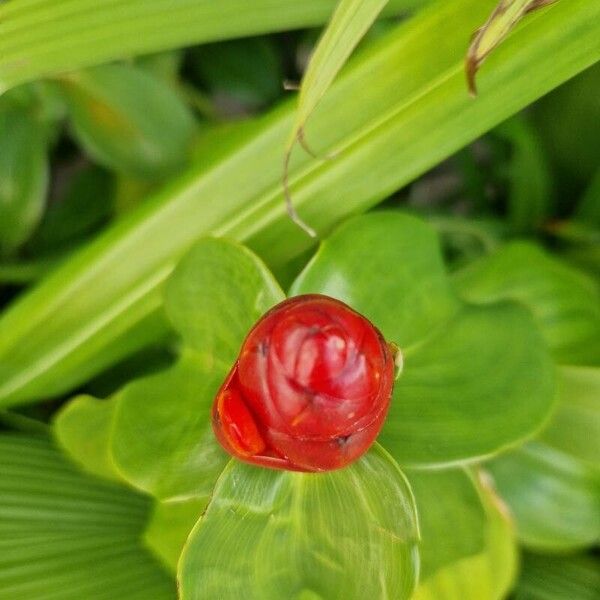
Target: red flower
x=310, y=389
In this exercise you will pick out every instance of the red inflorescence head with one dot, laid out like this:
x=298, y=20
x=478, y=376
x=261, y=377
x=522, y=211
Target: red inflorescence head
x=310, y=389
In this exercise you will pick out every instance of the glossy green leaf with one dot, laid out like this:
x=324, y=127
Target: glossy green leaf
x=575, y=425
x=504, y=18
x=23, y=177
x=397, y=111
x=352, y=265
x=452, y=402
x=487, y=575
x=558, y=578
x=67, y=535
x=564, y=301
x=452, y=518
x=162, y=440
x=40, y=39
x=275, y=534
x=83, y=429
x=554, y=498
x=128, y=120
x=169, y=527
x=216, y=294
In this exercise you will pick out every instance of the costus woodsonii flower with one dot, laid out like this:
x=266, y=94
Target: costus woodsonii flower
x=310, y=389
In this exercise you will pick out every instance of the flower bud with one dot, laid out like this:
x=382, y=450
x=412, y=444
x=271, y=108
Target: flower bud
x=310, y=389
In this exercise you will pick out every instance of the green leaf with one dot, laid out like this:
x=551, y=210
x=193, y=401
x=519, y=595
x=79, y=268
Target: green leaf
x=169, y=527
x=530, y=198
x=128, y=120
x=558, y=578
x=398, y=111
x=42, y=39
x=275, y=534
x=351, y=263
x=162, y=440
x=349, y=23
x=504, y=18
x=452, y=402
x=564, y=301
x=86, y=205
x=487, y=575
x=554, y=498
x=216, y=294
x=23, y=177
x=83, y=428
x=452, y=518
x=67, y=535
x=241, y=75
x=575, y=425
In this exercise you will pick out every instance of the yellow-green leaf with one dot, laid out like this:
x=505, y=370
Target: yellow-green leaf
x=505, y=16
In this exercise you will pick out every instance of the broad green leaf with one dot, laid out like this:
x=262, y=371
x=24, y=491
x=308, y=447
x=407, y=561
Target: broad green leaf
x=23, y=177
x=354, y=265
x=162, y=440
x=564, y=301
x=452, y=401
x=349, y=23
x=67, y=535
x=575, y=425
x=83, y=429
x=502, y=20
x=169, y=527
x=128, y=120
x=554, y=498
x=40, y=38
x=452, y=518
x=397, y=111
x=488, y=575
x=270, y=535
x=216, y=294
x=558, y=578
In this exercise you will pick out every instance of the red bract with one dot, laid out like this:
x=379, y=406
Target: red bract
x=310, y=389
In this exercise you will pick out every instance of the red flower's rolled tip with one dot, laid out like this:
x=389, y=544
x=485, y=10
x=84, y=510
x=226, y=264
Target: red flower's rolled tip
x=310, y=390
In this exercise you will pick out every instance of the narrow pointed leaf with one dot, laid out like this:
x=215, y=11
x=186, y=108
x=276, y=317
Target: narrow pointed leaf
x=272, y=534
x=43, y=38
x=505, y=16
x=348, y=25
x=396, y=112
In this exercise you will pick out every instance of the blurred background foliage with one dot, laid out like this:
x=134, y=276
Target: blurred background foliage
x=517, y=211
